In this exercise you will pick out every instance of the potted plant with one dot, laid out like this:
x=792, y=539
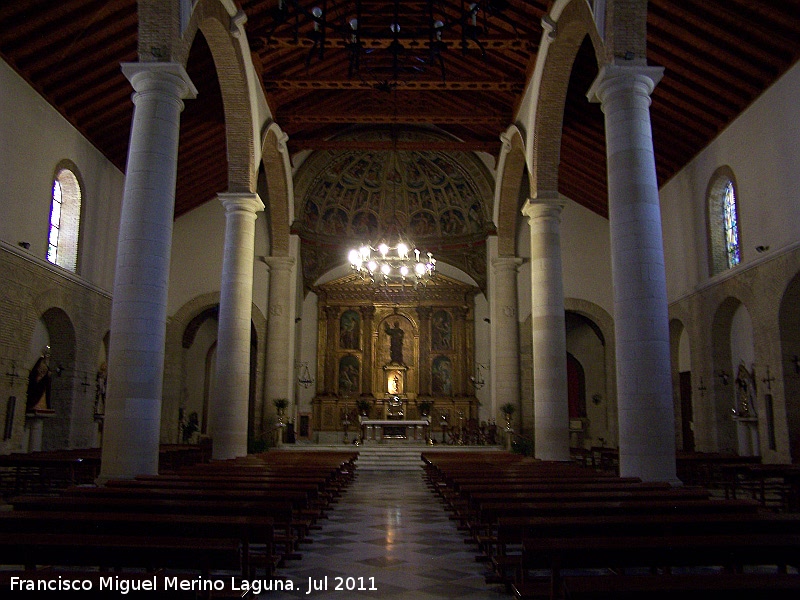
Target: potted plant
x=508, y=410
x=280, y=405
x=363, y=407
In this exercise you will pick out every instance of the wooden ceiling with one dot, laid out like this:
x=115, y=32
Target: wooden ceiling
x=719, y=55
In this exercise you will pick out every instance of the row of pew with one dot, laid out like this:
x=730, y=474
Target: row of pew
x=241, y=517
x=561, y=530
x=46, y=471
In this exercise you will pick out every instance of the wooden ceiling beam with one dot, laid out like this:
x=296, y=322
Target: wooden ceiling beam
x=339, y=43
x=388, y=145
x=112, y=31
x=718, y=47
x=373, y=119
x=366, y=84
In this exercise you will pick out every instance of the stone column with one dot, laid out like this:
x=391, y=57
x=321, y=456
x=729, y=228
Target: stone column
x=505, y=334
x=550, y=405
x=139, y=306
x=367, y=314
x=232, y=388
x=279, y=374
x=641, y=321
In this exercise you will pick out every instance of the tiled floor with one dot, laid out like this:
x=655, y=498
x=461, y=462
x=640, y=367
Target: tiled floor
x=389, y=530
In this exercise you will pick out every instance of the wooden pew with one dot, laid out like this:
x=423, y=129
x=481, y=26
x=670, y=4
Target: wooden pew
x=730, y=552
x=253, y=532
x=114, y=552
x=684, y=586
x=281, y=512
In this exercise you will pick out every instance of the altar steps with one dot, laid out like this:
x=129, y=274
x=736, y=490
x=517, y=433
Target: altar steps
x=394, y=455
x=398, y=457
x=389, y=458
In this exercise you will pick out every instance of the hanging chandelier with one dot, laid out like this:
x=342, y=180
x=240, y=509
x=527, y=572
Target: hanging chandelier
x=383, y=45
x=386, y=264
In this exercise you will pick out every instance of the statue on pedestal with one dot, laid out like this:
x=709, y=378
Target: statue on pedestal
x=396, y=335
x=39, y=382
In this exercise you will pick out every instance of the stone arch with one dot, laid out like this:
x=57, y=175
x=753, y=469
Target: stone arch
x=789, y=319
x=723, y=395
x=682, y=385
x=510, y=172
x=279, y=189
x=604, y=411
x=61, y=332
x=181, y=328
x=221, y=30
x=566, y=26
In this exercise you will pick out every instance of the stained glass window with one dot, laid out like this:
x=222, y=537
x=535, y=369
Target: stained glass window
x=55, y=223
x=731, y=225
x=65, y=212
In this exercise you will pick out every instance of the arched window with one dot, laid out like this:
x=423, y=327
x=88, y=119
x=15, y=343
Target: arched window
x=65, y=216
x=723, y=222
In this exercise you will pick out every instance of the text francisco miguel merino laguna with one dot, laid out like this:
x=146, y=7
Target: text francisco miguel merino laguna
x=145, y=583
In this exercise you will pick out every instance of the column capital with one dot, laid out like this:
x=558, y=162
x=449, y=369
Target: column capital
x=367, y=312
x=279, y=263
x=545, y=205
x=614, y=78
x=148, y=77
x=245, y=202
x=506, y=263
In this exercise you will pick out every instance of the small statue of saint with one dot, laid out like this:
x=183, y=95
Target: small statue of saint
x=39, y=382
x=100, y=390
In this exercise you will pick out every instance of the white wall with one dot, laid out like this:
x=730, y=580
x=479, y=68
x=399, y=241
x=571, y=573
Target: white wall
x=34, y=138
x=585, y=258
x=198, y=243
x=761, y=147
x=198, y=246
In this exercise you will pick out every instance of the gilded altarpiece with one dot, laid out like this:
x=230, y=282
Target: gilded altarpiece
x=394, y=347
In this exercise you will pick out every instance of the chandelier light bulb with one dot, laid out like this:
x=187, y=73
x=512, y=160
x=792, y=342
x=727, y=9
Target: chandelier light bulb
x=393, y=264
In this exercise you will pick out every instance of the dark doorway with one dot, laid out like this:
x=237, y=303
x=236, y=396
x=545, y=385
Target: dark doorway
x=685, y=389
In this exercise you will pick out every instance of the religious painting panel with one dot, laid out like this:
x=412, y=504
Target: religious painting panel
x=441, y=331
x=350, y=330
x=442, y=376
x=349, y=375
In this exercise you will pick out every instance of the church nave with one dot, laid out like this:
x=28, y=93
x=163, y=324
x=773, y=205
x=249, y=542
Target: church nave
x=389, y=526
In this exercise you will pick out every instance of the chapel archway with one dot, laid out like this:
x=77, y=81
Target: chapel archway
x=789, y=320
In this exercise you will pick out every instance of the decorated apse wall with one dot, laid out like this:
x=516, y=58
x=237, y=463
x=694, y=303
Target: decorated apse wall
x=439, y=201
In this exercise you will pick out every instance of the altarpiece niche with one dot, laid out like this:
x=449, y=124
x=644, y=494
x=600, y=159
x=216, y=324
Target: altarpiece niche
x=390, y=348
